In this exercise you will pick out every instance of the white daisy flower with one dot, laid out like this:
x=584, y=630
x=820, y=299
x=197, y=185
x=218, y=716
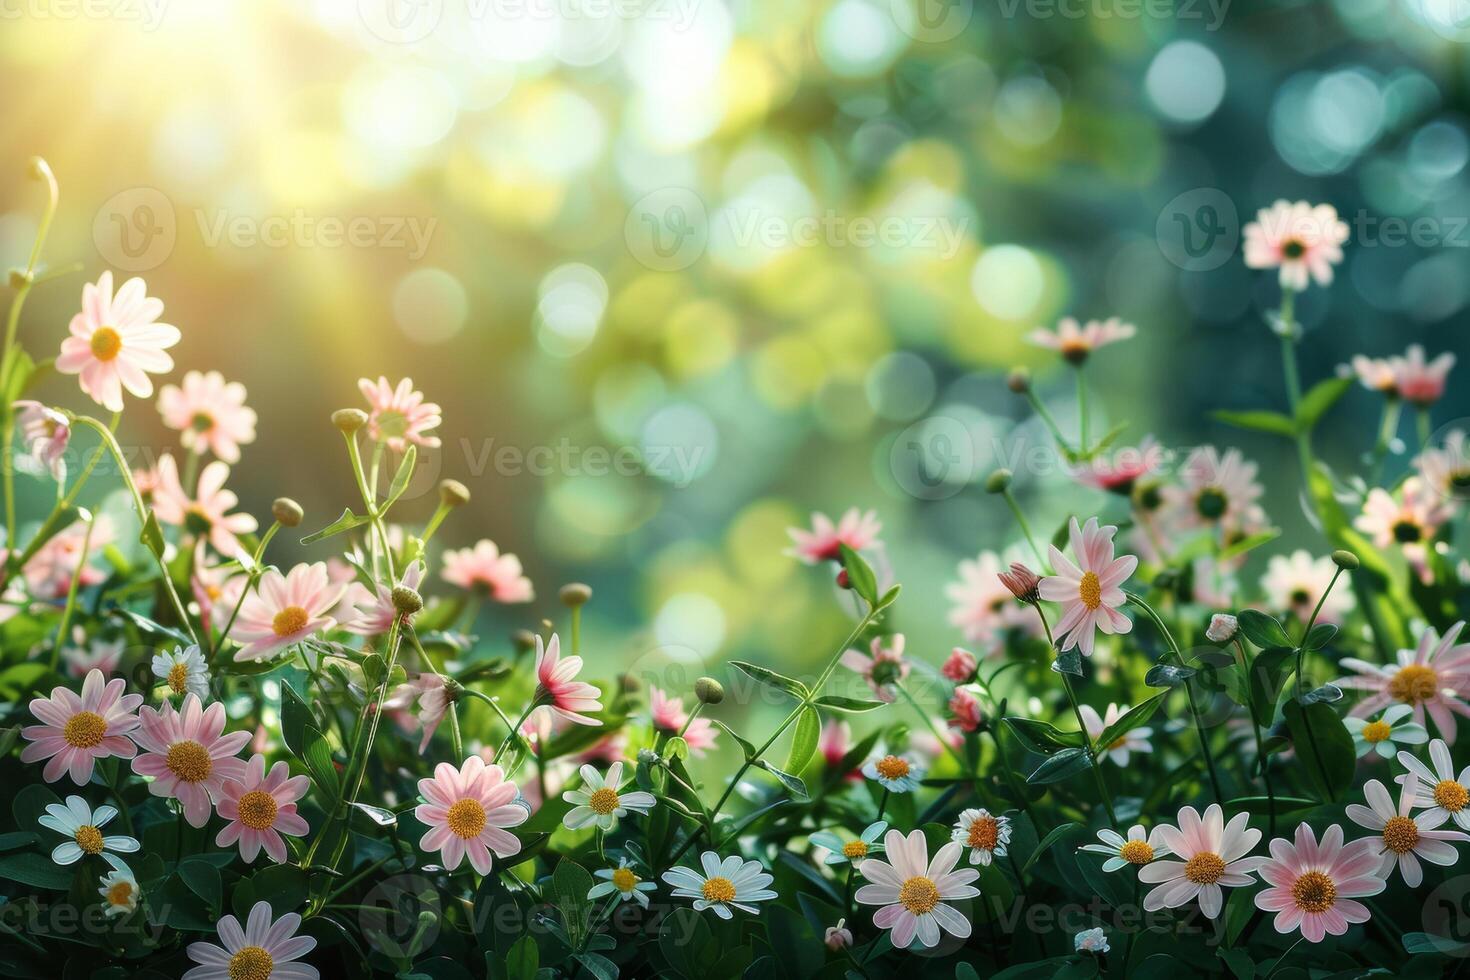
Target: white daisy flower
x=119, y=892
x=845, y=850
x=623, y=880
x=896, y=773
x=1386, y=732
x=599, y=802
x=1135, y=740
x=1405, y=840
x=983, y=833
x=1091, y=941
x=1137, y=848
x=914, y=891
x=76, y=820
x=184, y=671
x=733, y=883
x=1440, y=790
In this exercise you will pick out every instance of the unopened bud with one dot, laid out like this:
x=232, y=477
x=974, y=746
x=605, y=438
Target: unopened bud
x=1019, y=380
x=287, y=511
x=349, y=420
x=709, y=690
x=38, y=168
x=1222, y=628
x=575, y=594
x=407, y=601
x=524, y=641
x=1345, y=560
x=453, y=493
x=844, y=581
x=998, y=482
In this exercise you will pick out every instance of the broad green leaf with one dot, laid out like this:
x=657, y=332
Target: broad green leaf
x=1320, y=636
x=1068, y=662
x=1057, y=834
x=1064, y=765
x=745, y=746
x=318, y=759
x=1249, y=543
x=401, y=478
x=1041, y=738
x=839, y=703
x=295, y=717
x=860, y=575
x=1268, y=671
x=1258, y=421
x=1315, y=403
x=1167, y=675
x=1263, y=630
x=203, y=880
x=35, y=870
x=793, y=783
x=152, y=536
x=1324, y=748
x=1135, y=716
x=804, y=742
x=571, y=883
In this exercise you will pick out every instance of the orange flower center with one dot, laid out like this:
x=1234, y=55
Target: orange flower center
x=855, y=849
x=120, y=893
x=1400, y=834
x=251, y=963
x=984, y=833
x=1414, y=684
x=1136, y=852
x=89, y=839
x=719, y=890
x=1090, y=591
x=290, y=620
x=918, y=895
x=1205, y=868
x=189, y=761
x=624, y=879
x=604, y=801
x=84, y=730
x=178, y=678
x=466, y=819
x=1314, y=892
x=892, y=767
x=258, y=809
x=106, y=343
x=1451, y=795
x=1376, y=731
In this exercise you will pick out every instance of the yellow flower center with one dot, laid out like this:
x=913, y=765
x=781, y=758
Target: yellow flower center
x=178, y=677
x=1136, y=852
x=290, y=620
x=855, y=849
x=106, y=343
x=1451, y=795
x=121, y=893
x=84, y=730
x=89, y=839
x=604, y=801
x=1314, y=892
x=1376, y=731
x=1205, y=868
x=892, y=767
x=1090, y=591
x=1400, y=834
x=984, y=833
x=466, y=819
x=189, y=761
x=257, y=809
x=1414, y=684
x=719, y=890
x=624, y=880
x=251, y=963
x=918, y=895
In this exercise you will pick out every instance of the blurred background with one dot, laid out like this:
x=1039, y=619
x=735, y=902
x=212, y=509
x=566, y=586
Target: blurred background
x=682, y=271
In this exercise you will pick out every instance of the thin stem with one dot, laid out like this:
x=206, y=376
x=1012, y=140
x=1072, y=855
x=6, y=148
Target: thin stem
x=1261, y=758
x=1025, y=527
x=1425, y=425
x=1082, y=412
x=576, y=630
x=1092, y=752
x=1056, y=432
x=71, y=592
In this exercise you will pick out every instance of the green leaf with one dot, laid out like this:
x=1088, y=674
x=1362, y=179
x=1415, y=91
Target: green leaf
x=1424, y=942
x=1056, y=835
x=839, y=703
x=770, y=678
x=745, y=746
x=346, y=522
x=1320, y=636
x=1069, y=662
x=793, y=783
x=1167, y=675
x=1135, y=716
x=1258, y=421
x=378, y=815
x=318, y=759
x=1249, y=543
x=203, y=880
x=1262, y=805
x=1041, y=738
x=860, y=575
x=152, y=536
x=36, y=870
x=1064, y=765
x=890, y=597
x=1263, y=630
x=1323, y=747
x=1268, y=670
x=295, y=717
x=1326, y=694
x=1315, y=403
x=598, y=965
x=804, y=742
x=571, y=883
x=400, y=478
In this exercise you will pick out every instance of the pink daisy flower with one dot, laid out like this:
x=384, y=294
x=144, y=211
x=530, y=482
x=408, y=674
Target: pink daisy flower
x=49, y=573
x=558, y=689
x=188, y=754
x=883, y=669
x=484, y=567
x=284, y=610
x=1410, y=522
x=856, y=529
x=1091, y=590
x=1119, y=471
x=398, y=416
x=1428, y=679
x=145, y=478
x=1212, y=856
x=669, y=716
x=1421, y=382
x=1136, y=740
x=116, y=342
x=260, y=807
x=99, y=655
x=46, y=433
x=983, y=605
x=209, y=413
x=915, y=892
x=467, y=810
x=1446, y=468
x=431, y=695
x=373, y=613
x=1301, y=240
x=1375, y=374
x=76, y=731
x=1403, y=840
x=1295, y=583
x=1313, y=886
x=205, y=514
x=260, y=950
x=1076, y=342
x=1218, y=489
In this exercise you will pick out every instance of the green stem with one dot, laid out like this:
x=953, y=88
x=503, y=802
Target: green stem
x=1056, y=432
x=1082, y=412
x=1425, y=426
x=71, y=592
x=1261, y=758
x=576, y=630
x=1025, y=528
x=1092, y=750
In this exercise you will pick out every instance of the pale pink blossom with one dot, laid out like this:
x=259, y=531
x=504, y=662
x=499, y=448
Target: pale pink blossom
x=959, y=666
x=558, y=689
x=373, y=613
x=433, y=697
x=834, y=743
x=216, y=589
x=467, y=811
x=77, y=730
x=856, y=529
x=260, y=807
x=1301, y=240
x=1120, y=749
x=188, y=754
x=399, y=415
x=1421, y=382
x=46, y=433
x=1076, y=341
x=145, y=478
x=49, y=573
x=1119, y=470
x=1428, y=678
x=1217, y=489
x=209, y=413
x=885, y=668
x=284, y=610
x=1091, y=590
x=915, y=892
x=1404, y=839
x=983, y=606
x=1445, y=469
x=669, y=716
x=837, y=937
x=260, y=950
x=99, y=655
x=1409, y=522
x=205, y=513
x=116, y=342
x=1212, y=856
x=1376, y=374
x=1314, y=886
x=484, y=567
x=1295, y=583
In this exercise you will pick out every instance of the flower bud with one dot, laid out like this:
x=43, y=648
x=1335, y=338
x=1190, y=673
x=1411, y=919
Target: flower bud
x=1023, y=583
x=960, y=666
x=998, y=482
x=287, y=511
x=349, y=420
x=38, y=168
x=1222, y=628
x=524, y=641
x=1345, y=560
x=453, y=493
x=575, y=594
x=709, y=690
x=844, y=580
x=838, y=937
x=1019, y=380
x=407, y=601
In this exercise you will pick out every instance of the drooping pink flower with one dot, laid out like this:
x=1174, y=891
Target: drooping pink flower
x=668, y=715
x=1119, y=470
x=856, y=529
x=1421, y=382
x=885, y=668
x=284, y=610
x=259, y=950
x=116, y=342
x=399, y=415
x=1295, y=583
x=1313, y=887
x=97, y=655
x=467, y=810
x=76, y=731
x=1301, y=240
x=959, y=666
x=205, y=513
x=373, y=613
x=46, y=433
x=557, y=685
x=260, y=807
x=1076, y=342
x=216, y=589
x=983, y=606
x=915, y=892
x=1091, y=590
x=1429, y=679
x=433, y=698
x=1410, y=522
x=209, y=413
x=965, y=710
x=188, y=754
x=484, y=567
x=1404, y=839
x=1212, y=855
